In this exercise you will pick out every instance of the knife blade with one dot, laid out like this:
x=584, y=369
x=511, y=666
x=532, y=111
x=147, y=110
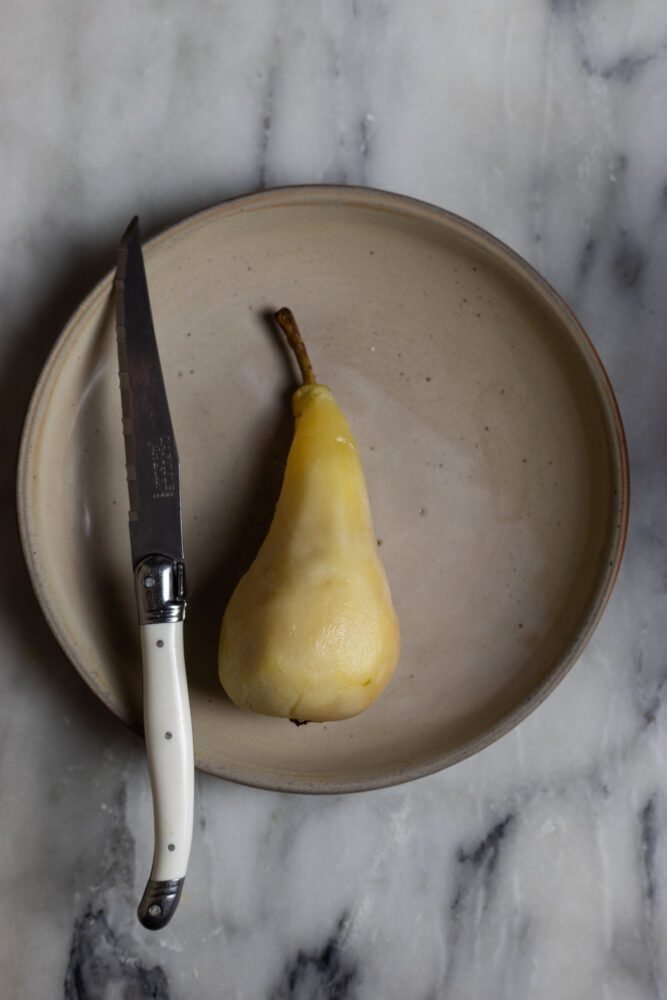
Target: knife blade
x=156, y=543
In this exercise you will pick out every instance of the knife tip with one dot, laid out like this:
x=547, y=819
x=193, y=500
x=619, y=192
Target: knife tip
x=129, y=232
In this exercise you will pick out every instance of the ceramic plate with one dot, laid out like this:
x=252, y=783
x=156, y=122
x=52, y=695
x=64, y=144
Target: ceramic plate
x=491, y=442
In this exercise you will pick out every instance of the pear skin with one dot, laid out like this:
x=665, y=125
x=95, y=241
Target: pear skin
x=310, y=632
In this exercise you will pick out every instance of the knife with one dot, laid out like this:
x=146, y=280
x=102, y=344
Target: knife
x=156, y=542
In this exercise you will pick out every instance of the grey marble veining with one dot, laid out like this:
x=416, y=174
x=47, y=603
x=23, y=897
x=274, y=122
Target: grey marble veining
x=537, y=869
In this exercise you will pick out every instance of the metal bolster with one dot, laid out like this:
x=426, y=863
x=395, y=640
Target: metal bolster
x=158, y=903
x=160, y=588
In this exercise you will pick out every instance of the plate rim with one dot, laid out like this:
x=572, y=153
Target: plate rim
x=368, y=197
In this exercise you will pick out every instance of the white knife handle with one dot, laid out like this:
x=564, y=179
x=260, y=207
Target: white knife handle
x=168, y=729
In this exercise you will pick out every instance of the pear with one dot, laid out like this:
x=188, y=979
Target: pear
x=310, y=632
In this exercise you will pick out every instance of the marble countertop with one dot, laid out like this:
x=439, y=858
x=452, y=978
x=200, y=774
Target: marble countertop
x=536, y=869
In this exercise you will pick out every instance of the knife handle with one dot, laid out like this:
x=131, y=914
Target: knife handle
x=168, y=729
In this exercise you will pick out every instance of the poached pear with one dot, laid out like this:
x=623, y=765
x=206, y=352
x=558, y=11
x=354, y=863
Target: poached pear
x=310, y=632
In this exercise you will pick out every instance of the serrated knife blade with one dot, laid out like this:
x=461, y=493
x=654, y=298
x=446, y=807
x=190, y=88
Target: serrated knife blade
x=153, y=473
x=156, y=543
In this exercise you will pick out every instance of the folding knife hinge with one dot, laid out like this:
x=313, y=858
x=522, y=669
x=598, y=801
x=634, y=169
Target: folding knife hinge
x=160, y=588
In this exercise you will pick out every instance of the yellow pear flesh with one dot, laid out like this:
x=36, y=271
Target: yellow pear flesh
x=310, y=632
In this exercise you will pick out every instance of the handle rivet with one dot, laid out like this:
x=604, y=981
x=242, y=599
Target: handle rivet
x=159, y=643
x=149, y=582
x=154, y=910
x=171, y=847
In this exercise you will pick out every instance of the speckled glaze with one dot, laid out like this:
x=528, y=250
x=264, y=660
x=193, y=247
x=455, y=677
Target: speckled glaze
x=491, y=443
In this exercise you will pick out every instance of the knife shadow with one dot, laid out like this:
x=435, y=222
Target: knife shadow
x=209, y=594
x=27, y=353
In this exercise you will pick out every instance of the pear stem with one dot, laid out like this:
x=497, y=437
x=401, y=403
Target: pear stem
x=285, y=320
